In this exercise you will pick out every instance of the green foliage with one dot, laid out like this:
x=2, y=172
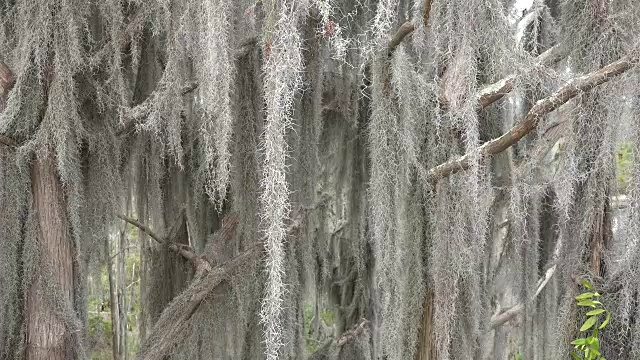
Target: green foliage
x=518, y=356
x=310, y=342
x=327, y=317
x=624, y=164
x=588, y=348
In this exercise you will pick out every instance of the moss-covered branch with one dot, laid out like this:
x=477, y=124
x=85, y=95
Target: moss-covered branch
x=6, y=83
x=171, y=328
x=538, y=111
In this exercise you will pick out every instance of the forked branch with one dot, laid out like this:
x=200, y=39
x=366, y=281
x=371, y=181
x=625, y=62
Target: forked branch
x=538, y=111
x=179, y=249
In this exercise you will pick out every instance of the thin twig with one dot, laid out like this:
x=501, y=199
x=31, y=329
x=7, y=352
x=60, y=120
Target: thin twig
x=142, y=227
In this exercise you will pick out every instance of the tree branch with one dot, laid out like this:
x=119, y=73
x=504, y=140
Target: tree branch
x=352, y=334
x=179, y=249
x=171, y=328
x=173, y=323
x=502, y=318
x=404, y=30
x=147, y=230
x=331, y=349
x=7, y=141
x=139, y=112
x=538, y=111
x=496, y=91
x=7, y=80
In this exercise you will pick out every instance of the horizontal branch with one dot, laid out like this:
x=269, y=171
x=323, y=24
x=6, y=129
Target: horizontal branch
x=138, y=113
x=538, y=111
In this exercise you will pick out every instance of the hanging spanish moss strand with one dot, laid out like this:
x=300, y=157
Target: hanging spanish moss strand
x=586, y=234
x=282, y=79
x=311, y=132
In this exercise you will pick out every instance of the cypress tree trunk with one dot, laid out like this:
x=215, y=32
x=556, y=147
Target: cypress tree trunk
x=48, y=335
x=427, y=344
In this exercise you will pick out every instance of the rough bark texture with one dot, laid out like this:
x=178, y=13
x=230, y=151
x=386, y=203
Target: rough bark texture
x=426, y=346
x=48, y=336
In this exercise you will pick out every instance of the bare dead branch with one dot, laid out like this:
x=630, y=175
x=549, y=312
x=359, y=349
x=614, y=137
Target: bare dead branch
x=174, y=320
x=538, y=111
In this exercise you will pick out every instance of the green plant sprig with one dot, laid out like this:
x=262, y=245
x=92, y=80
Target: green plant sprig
x=588, y=348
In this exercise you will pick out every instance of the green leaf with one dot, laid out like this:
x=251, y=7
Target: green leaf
x=584, y=296
x=589, y=323
x=591, y=303
x=575, y=356
x=606, y=321
x=586, y=284
x=595, y=312
x=580, y=341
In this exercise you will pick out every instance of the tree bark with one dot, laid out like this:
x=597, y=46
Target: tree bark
x=47, y=334
x=426, y=344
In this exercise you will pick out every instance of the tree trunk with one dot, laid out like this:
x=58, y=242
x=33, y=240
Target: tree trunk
x=122, y=295
x=48, y=335
x=113, y=304
x=426, y=343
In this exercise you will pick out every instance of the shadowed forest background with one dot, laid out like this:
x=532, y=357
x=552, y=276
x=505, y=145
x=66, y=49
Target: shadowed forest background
x=319, y=179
